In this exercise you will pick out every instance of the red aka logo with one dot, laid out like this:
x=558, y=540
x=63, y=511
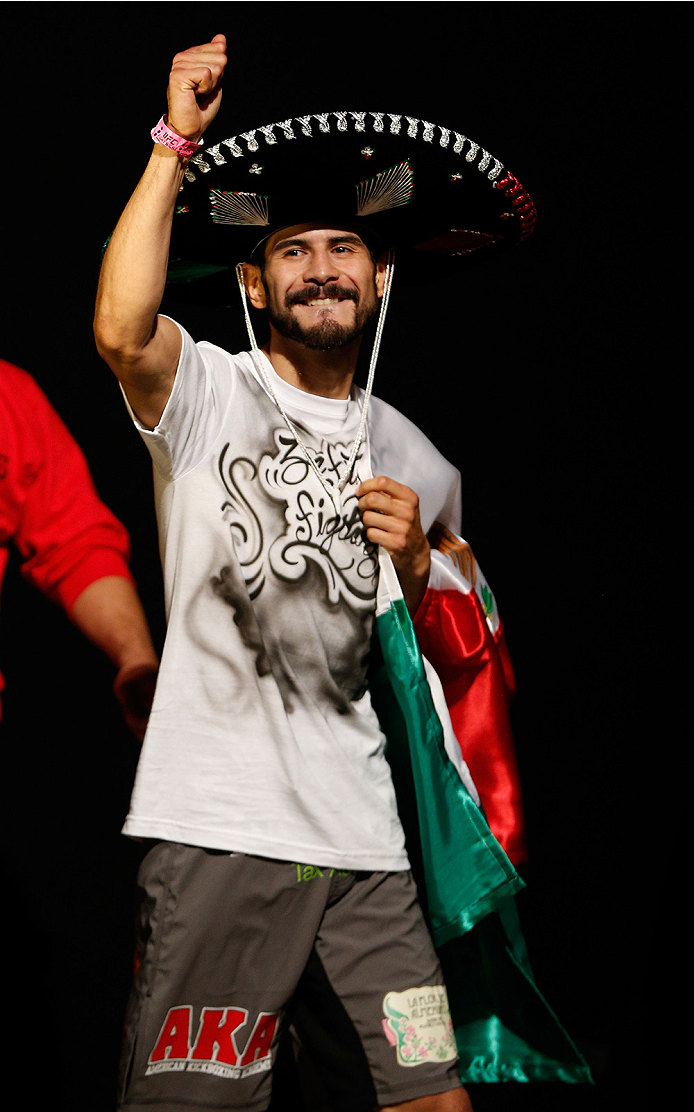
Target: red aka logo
x=215, y=1048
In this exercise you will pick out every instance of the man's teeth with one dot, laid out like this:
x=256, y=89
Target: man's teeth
x=324, y=301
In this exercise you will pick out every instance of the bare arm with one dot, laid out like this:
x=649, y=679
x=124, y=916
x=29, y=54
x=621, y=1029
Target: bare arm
x=140, y=347
x=110, y=614
x=390, y=512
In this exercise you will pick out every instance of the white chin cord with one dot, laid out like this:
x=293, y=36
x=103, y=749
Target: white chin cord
x=258, y=363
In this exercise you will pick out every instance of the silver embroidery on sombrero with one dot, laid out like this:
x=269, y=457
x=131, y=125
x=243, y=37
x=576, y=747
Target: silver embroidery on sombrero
x=239, y=208
x=199, y=161
x=251, y=140
x=233, y=146
x=286, y=127
x=387, y=190
x=268, y=133
x=305, y=122
x=217, y=155
x=360, y=122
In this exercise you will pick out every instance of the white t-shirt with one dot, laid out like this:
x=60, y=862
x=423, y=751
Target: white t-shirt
x=262, y=738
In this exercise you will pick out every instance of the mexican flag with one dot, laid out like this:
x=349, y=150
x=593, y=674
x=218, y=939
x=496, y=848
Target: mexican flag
x=504, y=1028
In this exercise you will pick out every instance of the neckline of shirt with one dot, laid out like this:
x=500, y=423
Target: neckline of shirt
x=331, y=413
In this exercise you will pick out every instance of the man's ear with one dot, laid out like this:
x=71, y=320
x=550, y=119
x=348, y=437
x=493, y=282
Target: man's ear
x=255, y=289
x=381, y=273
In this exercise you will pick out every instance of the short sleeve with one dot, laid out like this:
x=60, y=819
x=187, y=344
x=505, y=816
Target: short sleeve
x=201, y=395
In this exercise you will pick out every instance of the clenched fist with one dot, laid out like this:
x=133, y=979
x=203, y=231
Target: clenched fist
x=390, y=512
x=195, y=87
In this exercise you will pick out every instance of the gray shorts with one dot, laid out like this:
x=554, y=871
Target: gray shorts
x=234, y=947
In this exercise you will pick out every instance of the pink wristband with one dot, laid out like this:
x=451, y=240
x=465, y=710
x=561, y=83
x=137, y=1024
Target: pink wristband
x=163, y=134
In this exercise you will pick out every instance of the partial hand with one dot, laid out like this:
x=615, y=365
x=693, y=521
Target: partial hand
x=195, y=87
x=134, y=688
x=390, y=512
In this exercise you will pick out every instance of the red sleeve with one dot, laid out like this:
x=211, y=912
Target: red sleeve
x=475, y=671
x=67, y=538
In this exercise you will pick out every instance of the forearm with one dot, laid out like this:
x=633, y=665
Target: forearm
x=134, y=268
x=110, y=614
x=133, y=273
x=140, y=347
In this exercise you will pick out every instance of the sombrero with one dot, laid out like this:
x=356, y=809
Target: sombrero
x=423, y=193
x=426, y=191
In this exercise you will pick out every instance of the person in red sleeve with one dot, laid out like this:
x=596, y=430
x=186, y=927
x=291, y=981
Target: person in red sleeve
x=72, y=548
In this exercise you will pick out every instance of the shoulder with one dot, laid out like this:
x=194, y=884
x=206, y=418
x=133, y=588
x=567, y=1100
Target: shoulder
x=239, y=364
x=16, y=384
x=207, y=375
x=212, y=357
x=402, y=451
x=212, y=353
x=394, y=437
x=24, y=404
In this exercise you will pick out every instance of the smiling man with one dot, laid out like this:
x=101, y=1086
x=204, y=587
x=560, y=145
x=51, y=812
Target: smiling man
x=278, y=884
x=279, y=285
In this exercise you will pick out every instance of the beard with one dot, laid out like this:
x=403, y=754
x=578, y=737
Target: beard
x=326, y=334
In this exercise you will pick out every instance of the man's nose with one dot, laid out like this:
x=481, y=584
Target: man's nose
x=320, y=268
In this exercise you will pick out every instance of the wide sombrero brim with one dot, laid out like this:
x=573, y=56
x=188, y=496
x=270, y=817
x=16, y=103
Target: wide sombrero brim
x=426, y=191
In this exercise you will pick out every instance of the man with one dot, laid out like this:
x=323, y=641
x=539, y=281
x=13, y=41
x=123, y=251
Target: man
x=71, y=546
x=279, y=873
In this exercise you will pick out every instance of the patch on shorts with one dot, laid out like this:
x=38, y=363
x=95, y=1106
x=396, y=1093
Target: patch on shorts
x=214, y=1049
x=419, y=1025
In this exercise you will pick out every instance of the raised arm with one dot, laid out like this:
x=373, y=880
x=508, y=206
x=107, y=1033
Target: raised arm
x=141, y=347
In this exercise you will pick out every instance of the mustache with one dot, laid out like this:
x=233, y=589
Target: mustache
x=313, y=292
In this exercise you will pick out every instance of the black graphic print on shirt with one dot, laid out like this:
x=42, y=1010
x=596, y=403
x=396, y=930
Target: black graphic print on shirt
x=309, y=575
x=313, y=529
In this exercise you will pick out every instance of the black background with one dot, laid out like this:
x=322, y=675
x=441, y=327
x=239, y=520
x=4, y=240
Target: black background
x=533, y=375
